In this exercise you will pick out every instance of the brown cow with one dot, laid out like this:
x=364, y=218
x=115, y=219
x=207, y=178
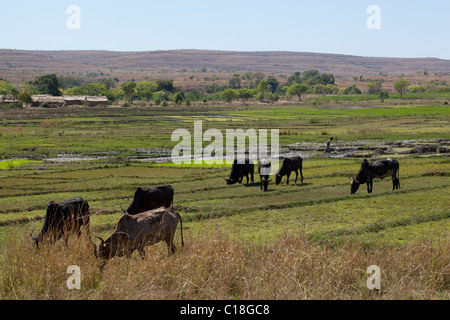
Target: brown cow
x=134, y=232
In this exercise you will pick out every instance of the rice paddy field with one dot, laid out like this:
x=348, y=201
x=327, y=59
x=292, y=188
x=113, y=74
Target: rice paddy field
x=310, y=240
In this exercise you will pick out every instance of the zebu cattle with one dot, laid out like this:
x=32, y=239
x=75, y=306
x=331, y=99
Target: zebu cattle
x=63, y=218
x=377, y=169
x=151, y=198
x=264, y=167
x=290, y=164
x=134, y=232
x=241, y=170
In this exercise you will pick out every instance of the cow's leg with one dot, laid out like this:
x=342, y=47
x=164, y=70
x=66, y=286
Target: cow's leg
x=251, y=174
x=287, y=178
x=368, y=187
x=296, y=176
x=301, y=175
x=170, y=246
x=241, y=178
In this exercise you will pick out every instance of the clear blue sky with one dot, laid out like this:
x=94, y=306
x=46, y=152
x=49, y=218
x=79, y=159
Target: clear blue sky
x=408, y=28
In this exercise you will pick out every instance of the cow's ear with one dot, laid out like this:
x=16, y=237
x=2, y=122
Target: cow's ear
x=139, y=189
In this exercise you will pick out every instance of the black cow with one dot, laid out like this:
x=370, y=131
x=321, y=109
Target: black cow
x=64, y=218
x=377, y=169
x=151, y=198
x=241, y=170
x=290, y=164
x=264, y=167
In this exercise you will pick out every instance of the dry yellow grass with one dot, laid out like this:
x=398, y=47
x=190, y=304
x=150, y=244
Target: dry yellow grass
x=213, y=266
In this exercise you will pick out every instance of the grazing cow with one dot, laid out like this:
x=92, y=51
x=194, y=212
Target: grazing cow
x=239, y=170
x=290, y=164
x=264, y=167
x=151, y=198
x=377, y=169
x=134, y=232
x=62, y=219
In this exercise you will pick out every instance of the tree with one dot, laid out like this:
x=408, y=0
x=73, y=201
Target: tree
x=229, y=95
x=25, y=97
x=262, y=87
x=383, y=94
x=145, y=89
x=246, y=94
x=273, y=83
x=47, y=84
x=166, y=85
x=297, y=89
x=417, y=89
x=235, y=81
x=178, y=98
x=88, y=89
x=353, y=89
x=294, y=78
x=374, y=87
x=400, y=85
x=7, y=88
x=129, y=89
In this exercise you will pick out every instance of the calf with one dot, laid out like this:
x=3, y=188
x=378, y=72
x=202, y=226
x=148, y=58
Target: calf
x=151, y=198
x=264, y=167
x=377, y=169
x=134, y=232
x=63, y=218
x=239, y=170
x=290, y=164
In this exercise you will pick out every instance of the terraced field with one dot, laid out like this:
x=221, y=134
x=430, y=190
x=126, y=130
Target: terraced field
x=318, y=222
x=321, y=206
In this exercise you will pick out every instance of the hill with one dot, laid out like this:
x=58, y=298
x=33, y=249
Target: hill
x=20, y=65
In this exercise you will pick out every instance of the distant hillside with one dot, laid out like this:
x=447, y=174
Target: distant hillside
x=19, y=65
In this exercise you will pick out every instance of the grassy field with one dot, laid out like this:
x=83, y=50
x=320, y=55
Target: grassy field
x=299, y=241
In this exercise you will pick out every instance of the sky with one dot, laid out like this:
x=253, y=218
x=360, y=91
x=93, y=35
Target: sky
x=397, y=28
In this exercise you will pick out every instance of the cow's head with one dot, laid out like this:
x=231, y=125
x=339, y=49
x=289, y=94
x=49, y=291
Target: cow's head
x=102, y=250
x=116, y=244
x=230, y=181
x=354, y=185
x=36, y=239
x=277, y=179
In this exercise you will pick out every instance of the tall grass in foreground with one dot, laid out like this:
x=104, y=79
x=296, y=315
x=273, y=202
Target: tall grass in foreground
x=213, y=266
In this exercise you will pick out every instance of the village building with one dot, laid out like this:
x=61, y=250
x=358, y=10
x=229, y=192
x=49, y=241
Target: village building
x=49, y=101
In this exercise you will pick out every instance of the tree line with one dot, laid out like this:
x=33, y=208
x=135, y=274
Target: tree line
x=244, y=87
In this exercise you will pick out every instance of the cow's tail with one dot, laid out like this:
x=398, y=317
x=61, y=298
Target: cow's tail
x=181, y=230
